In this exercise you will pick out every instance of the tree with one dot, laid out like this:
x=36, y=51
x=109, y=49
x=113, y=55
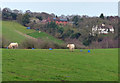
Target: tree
x=102, y=16
x=6, y=14
x=14, y=16
x=68, y=19
x=67, y=34
x=25, y=19
x=75, y=20
x=76, y=35
x=52, y=25
x=19, y=18
x=88, y=40
x=56, y=16
x=61, y=30
x=39, y=17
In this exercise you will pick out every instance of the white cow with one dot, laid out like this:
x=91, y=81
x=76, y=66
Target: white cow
x=71, y=47
x=13, y=45
x=39, y=31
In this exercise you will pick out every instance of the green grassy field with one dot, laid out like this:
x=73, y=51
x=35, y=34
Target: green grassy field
x=60, y=64
x=9, y=31
x=15, y=32
x=45, y=37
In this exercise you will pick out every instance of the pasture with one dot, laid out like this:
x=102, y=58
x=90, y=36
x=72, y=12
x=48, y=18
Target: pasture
x=46, y=37
x=12, y=30
x=59, y=64
x=15, y=32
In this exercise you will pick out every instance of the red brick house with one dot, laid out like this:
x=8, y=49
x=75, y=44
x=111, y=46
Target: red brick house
x=58, y=20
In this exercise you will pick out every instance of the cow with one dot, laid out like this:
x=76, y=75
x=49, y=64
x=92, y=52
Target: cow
x=13, y=45
x=71, y=47
x=39, y=31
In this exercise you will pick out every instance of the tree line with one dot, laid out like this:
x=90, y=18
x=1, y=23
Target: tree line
x=79, y=30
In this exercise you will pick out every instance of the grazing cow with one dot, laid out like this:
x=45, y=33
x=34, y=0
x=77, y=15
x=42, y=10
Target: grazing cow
x=13, y=45
x=71, y=47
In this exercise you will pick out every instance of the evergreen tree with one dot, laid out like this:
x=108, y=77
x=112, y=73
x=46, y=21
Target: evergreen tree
x=25, y=19
x=39, y=17
x=102, y=16
x=75, y=20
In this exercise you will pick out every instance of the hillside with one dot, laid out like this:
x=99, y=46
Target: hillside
x=10, y=30
x=45, y=37
x=15, y=32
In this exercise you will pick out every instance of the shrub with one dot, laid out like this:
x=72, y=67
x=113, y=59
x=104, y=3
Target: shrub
x=76, y=35
x=29, y=43
x=63, y=46
x=39, y=44
x=4, y=43
x=46, y=45
x=105, y=43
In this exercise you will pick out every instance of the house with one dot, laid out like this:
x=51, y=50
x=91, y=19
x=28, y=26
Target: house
x=61, y=21
x=58, y=21
x=102, y=29
x=110, y=27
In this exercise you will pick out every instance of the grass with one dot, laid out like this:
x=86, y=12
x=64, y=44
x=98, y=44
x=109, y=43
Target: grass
x=60, y=64
x=46, y=37
x=9, y=29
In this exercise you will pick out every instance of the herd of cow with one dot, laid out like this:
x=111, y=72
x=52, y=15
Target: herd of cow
x=15, y=45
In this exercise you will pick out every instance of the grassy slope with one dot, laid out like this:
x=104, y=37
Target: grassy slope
x=43, y=64
x=45, y=36
x=9, y=31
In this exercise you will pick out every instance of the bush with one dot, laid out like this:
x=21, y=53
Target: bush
x=76, y=35
x=39, y=44
x=5, y=43
x=105, y=43
x=29, y=44
x=46, y=45
x=64, y=46
x=59, y=46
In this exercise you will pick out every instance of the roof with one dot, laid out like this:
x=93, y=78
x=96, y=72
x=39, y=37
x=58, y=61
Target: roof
x=61, y=19
x=56, y=19
x=109, y=26
x=105, y=27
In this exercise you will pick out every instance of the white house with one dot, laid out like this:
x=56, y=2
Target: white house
x=102, y=29
x=111, y=28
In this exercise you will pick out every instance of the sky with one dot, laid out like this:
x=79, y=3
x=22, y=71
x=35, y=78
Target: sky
x=67, y=8
x=59, y=0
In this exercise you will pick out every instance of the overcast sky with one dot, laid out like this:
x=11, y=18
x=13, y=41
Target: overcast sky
x=67, y=8
x=59, y=0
